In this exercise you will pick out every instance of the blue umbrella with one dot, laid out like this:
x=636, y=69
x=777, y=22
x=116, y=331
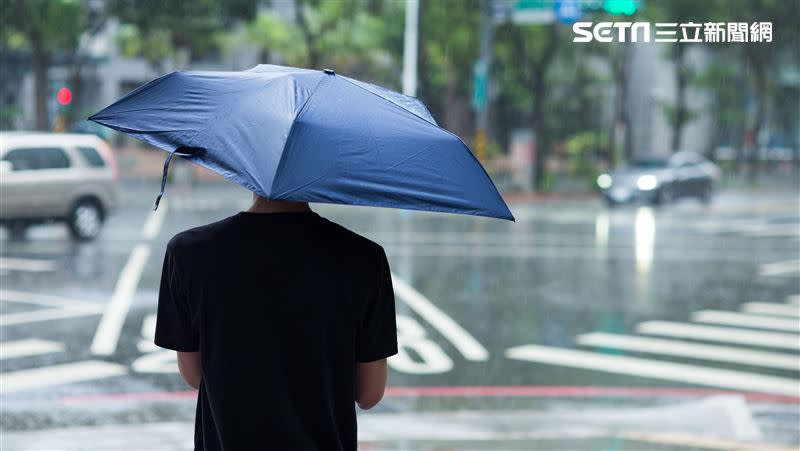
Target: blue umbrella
x=306, y=135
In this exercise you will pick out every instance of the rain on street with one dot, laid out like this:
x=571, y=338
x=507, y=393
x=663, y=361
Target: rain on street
x=574, y=310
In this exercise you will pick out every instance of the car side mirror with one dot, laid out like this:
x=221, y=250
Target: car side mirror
x=6, y=166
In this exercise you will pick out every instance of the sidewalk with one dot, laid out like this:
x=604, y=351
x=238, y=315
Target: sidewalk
x=716, y=423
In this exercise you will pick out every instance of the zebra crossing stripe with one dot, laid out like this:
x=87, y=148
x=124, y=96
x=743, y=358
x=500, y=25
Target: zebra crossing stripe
x=793, y=299
x=691, y=350
x=58, y=375
x=26, y=264
x=47, y=315
x=769, y=308
x=747, y=320
x=656, y=369
x=721, y=334
x=28, y=347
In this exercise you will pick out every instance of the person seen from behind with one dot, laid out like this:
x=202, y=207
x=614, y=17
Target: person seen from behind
x=283, y=321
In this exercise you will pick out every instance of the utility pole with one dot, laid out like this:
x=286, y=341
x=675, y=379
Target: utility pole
x=410, y=48
x=480, y=95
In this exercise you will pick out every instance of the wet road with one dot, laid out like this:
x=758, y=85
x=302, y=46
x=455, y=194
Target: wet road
x=554, y=325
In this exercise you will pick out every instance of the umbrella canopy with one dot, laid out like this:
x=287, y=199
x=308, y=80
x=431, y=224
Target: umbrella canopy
x=306, y=135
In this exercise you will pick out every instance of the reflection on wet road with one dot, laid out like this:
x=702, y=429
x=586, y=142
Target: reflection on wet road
x=574, y=307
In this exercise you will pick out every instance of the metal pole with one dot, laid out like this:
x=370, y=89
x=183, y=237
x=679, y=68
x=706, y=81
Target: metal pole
x=410, y=48
x=485, y=61
x=486, y=58
x=410, y=43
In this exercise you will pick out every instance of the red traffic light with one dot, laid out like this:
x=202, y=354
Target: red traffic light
x=64, y=96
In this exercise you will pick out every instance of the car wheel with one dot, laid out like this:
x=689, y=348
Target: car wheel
x=706, y=194
x=86, y=220
x=17, y=230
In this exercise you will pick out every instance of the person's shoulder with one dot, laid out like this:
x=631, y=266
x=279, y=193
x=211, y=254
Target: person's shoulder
x=204, y=234
x=355, y=242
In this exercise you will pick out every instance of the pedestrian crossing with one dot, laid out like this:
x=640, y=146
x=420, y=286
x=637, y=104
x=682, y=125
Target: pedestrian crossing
x=48, y=308
x=721, y=334
x=28, y=347
x=66, y=373
x=768, y=308
x=677, y=348
x=758, y=340
x=755, y=321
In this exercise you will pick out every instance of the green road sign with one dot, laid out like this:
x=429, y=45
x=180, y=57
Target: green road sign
x=479, y=78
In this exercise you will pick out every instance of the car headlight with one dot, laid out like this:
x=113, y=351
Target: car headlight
x=647, y=182
x=604, y=181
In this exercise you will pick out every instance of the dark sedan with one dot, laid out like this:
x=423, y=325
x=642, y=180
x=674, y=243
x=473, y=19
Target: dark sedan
x=660, y=180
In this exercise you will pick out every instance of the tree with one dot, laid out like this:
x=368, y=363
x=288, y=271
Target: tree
x=448, y=49
x=162, y=30
x=524, y=57
x=43, y=27
x=681, y=11
x=759, y=68
x=347, y=36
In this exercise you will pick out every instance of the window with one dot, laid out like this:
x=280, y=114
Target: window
x=21, y=159
x=92, y=157
x=52, y=158
x=35, y=158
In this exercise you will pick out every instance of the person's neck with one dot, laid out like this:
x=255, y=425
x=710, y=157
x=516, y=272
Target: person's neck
x=263, y=205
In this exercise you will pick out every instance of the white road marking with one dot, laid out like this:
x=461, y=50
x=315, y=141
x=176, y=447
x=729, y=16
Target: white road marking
x=632, y=366
x=693, y=441
x=691, y=350
x=793, y=299
x=44, y=299
x=163, y=361
x=67, y=373
x=154, y=222
x=747, y=320
x=721, y=334
x=107, y=334
x=460, y=338
x=430, y=358
x=769, y=308
x=26, y=264
x=28, y=347
x=788, y=267
x=48, y=314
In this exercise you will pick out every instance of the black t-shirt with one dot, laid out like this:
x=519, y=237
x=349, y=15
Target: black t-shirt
x=281, y=306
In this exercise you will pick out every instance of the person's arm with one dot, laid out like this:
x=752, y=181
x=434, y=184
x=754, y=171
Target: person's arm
x=370, y=383
x=174, y=328
x=190, y=368
x=376, y=337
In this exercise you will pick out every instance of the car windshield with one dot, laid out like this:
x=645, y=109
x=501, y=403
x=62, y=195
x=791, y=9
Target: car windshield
x=648, y=163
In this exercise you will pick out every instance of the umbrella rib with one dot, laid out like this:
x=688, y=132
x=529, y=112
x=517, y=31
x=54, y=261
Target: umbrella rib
x=291, y=130
x=497, y=192
x=393, y=103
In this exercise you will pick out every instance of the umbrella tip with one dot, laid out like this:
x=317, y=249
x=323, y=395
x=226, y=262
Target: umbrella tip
x=329, y=71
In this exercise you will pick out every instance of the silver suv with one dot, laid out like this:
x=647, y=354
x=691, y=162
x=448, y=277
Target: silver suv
x=56, y=177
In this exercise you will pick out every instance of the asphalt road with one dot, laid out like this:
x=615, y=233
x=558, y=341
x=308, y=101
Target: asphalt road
x=577, y=327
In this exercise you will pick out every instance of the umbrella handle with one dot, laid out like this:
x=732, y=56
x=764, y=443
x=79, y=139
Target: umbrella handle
x=182, y=152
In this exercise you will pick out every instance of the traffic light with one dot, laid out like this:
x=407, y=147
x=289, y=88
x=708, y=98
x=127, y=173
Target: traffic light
x=626, y=7
x=64, y=96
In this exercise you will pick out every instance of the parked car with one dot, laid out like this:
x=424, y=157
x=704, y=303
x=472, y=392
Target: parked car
x=45, y=177
x=660, y=180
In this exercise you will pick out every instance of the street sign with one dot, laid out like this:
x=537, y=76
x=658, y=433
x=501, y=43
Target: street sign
x=533, y=11
x=567, y=11
x=625, y=7
x=479, y=81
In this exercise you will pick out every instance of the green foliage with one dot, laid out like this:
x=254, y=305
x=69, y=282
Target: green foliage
x=581, y=149
x=54, y=24
x=342, y=35
x=154, y=29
